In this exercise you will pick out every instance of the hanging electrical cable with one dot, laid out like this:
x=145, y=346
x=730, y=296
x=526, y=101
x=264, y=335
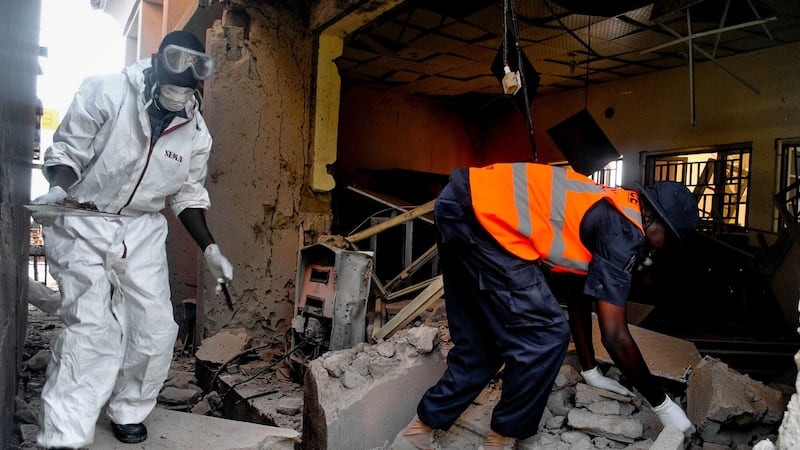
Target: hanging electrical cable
x=586, y=79
x=505, y=35
x=519, y=76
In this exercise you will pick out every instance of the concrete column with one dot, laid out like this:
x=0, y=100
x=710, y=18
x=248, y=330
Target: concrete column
x=19, y=51
x=257, y=106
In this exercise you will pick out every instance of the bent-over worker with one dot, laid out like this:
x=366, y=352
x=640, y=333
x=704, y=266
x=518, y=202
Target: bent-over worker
x=495, y=226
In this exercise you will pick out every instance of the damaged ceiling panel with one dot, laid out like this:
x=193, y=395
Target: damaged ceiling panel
x=435, y=48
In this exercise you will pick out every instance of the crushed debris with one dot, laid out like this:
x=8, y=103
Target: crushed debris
x=361, y=397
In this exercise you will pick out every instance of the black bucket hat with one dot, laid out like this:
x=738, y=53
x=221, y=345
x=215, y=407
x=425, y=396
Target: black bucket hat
x=674, y=204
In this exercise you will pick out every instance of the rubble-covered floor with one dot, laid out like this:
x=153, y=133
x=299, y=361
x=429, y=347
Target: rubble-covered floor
x=180, y=393
x=258, y=388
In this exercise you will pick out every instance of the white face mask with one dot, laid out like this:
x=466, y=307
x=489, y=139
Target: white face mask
x=174, y=98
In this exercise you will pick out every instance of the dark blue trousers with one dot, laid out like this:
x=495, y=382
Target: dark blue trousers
x=500, y=311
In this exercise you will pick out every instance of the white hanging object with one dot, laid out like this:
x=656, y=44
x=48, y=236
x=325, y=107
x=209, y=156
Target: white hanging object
x=511, y=81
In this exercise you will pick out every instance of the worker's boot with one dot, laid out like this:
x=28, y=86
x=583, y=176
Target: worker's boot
x=129, y=434
x=496, y=441
x=415, y=436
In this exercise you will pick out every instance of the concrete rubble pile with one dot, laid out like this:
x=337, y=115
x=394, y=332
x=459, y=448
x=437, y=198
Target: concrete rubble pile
x=361, y=397
x=244, y=381
x=358, y=397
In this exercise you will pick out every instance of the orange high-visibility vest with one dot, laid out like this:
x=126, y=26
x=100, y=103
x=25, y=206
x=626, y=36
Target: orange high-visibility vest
x=534, y=210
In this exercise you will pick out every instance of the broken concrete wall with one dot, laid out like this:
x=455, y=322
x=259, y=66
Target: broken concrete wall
x=19, y=51
x=258, y=108
x=361, y=397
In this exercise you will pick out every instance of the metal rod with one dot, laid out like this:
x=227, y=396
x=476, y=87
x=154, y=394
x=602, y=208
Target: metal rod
x=227, y=295
x=713, y=60
x=721, y=24
x=691, y=66
x=708, y=33
x=525, y=95
x=758, y=16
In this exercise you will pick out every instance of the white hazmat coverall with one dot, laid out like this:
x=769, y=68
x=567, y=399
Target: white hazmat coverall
x=119, y=333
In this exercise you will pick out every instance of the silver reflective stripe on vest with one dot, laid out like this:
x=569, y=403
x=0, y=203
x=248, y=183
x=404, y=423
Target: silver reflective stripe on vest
x=558, y=191
x=636, y=214
x=521, y=200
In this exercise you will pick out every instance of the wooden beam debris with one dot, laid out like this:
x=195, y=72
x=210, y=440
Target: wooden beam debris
x=423, y=301
x=394, y=221
x=411, y=268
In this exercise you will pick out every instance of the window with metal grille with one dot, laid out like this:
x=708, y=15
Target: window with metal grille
x=718, y=176
x=610, y=175
x=788, y=188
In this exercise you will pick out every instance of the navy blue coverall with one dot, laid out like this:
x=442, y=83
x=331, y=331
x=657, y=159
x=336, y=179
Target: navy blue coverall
x=500, y=311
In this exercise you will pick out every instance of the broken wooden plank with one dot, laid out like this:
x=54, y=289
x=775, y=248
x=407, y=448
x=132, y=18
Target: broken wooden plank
x=432, y=293
x=409, y=289
x=396, y=220
x=411, y=268
x=387, y=200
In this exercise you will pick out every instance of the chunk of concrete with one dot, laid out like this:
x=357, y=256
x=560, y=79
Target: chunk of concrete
x=217, y=350
x=618, y=428
x=223, y=346
x=719, y=393
x=171, y=395
x=728, y=407
x=423, y=338
x=666, y=356
x=378, y=408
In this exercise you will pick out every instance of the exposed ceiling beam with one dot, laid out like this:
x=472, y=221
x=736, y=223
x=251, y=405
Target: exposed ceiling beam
x=708, y=33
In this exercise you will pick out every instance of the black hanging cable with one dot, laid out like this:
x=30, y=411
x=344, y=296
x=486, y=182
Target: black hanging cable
x=508, y=8
x=505, y=33
x=586, y=78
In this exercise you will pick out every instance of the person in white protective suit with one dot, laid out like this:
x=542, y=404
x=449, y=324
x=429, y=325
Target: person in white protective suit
x=128, y=143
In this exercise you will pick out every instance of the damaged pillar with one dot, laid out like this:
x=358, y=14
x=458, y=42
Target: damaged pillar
x=257, y=106
x=361, y=397
x=19, y=51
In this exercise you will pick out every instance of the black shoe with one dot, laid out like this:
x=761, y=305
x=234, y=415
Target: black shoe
x=129, y=434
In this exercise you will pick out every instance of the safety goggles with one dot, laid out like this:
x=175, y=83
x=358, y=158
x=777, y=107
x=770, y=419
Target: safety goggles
x=178, y=59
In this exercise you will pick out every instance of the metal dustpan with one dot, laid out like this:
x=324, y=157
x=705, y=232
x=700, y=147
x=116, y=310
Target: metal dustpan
x=67, y=211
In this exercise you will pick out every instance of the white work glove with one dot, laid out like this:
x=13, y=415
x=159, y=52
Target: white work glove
x=593, y=377
x=54, y=195
x=671, y=415
x=220, y=267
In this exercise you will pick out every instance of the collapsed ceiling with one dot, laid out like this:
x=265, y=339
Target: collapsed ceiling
x=446, y=48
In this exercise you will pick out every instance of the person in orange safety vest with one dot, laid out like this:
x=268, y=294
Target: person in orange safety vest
x=496, y=225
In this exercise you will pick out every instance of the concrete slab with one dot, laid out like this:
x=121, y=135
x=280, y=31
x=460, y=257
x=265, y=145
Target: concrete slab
x=175, y=430
x=666, y=356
